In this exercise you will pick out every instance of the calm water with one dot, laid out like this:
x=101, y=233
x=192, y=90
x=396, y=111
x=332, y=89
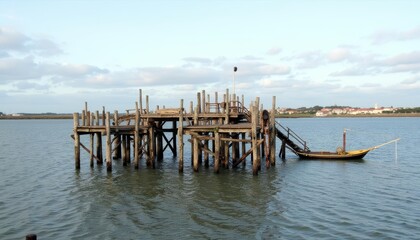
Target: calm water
x=378, y=198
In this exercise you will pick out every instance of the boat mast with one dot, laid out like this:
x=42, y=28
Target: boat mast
x=344, y=140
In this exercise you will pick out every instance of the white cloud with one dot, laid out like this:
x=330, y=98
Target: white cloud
x=339, y=54
x=385, y=36
x=16, y=42
x=274, y=51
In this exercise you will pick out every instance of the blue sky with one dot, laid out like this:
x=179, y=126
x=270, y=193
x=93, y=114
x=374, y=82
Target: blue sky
x=55, y=55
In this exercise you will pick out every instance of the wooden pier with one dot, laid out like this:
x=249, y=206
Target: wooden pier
x=225, y=131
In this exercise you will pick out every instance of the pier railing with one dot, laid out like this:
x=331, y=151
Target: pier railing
x=292, y=139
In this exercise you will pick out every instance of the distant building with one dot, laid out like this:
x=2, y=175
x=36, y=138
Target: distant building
x=353, y=111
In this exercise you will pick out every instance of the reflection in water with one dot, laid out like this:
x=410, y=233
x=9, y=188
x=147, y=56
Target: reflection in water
x=40, y=192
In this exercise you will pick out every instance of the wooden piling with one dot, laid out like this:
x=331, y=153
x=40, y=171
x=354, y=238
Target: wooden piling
x=99, y=154
x=273, y=133
x=254, y=140
x=108, y=142
x=124, y=150
x=117, y=136
x=76, y=140
x=159, y=141
x=31, y=237
x=174, y=134
x=136, y=138
x=181, y=137
x=216, y=151
x=209, y=123
x=151, y=146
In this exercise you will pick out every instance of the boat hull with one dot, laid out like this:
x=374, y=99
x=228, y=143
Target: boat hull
x=351, y=155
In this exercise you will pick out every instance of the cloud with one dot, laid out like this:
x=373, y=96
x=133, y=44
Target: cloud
x=385, y=36
x=310, y=59
x=411, y=81
x=274, y=51
x=339, y=54
x=257, y=70
x=405, y=62
x=203, y=61
x=153, y=76
x=17, y=42
x=352, y=71
x=18, y=69
x=12, y=69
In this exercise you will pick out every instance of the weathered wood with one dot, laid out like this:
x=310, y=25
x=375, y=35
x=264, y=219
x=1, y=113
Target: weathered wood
x=226, y=126
x=254, y=141
x=31, y=237
x=159, y=141
x=181, y=137
x=91, y=148
x=227, y=111
x=151, y=147
x=195, y=155
x=244, y=155
x=76, y=140
x=243, y=146
x=206, y=153
x=147, y=104
x=136, y=138
x=124, y=149
x=273, y=133
x=108, y=143
x=216, y=151
x=174, y=133
x=198, y=106
x=117, y=136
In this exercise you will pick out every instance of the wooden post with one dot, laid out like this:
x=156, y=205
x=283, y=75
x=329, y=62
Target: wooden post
x=159, y=138
x=128, y=154
x=103, y=116
x=117, y=143
x=216, y=151
x=147, y=104
x=273, y=133
x=227, y=101
x=243, y=148
x=174, y=133
x=99, y=154
x=203, y=102
x=91, y=136
x=206, y=154
x=124, y=149
x=108, y=143
x=195, y=153
x=257, y=112
x=136, y=138
x=31, y=237
x=76, y=140
x=141, y=100
x=283, y=150
x=181, y=137
x=191, y=107
x=225, y=163
x=152, y=146
x=254, y=140
x=198, y=102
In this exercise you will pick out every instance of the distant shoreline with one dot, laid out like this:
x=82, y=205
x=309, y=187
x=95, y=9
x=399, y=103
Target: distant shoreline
x=70, y=116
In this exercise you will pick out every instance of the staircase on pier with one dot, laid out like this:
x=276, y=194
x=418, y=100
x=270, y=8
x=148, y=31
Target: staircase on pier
x=290, y=139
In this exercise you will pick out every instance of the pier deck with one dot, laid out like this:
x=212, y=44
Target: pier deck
x=226, y=131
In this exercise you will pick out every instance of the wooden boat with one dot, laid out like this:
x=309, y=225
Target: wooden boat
x=350, y=155
x=340, y=154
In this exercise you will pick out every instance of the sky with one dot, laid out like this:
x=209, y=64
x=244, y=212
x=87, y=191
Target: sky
x=57, y=55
